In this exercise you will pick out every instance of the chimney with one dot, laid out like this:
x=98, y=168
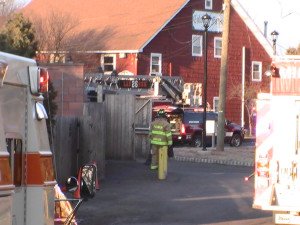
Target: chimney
x=266, y=29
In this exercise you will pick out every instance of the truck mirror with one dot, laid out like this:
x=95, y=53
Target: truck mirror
x=34, y=79
x=88, y=181
x=40, y=111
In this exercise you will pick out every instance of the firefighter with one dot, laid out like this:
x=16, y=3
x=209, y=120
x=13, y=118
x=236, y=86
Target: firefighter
x=160, y=139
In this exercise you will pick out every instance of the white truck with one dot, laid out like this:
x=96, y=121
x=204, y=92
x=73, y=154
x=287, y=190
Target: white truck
x=27, y=176
x=277, y=155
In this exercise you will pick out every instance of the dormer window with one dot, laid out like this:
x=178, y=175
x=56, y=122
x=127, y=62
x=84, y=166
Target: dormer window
x=208, y=4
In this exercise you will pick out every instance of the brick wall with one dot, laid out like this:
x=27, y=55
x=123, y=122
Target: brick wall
x=68, y=82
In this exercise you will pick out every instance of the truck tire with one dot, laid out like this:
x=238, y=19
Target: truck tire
x=197, y=141
x=236, y=140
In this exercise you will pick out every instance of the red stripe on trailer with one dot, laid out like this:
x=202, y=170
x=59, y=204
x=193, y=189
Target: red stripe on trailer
x=5, y=172
x=39, y=169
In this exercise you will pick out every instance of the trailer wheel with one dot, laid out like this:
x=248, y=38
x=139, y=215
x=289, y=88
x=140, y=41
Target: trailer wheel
x=236, y=140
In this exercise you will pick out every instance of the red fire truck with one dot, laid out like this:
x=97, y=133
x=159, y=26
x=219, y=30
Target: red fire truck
x=277, y=157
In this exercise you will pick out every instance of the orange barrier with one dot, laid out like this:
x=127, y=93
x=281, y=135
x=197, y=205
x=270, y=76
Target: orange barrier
x=78, y=190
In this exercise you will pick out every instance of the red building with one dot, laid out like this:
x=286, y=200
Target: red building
x=165, y=38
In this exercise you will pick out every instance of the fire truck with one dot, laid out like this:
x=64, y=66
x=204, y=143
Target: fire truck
x=27, y=176
x=277, y=155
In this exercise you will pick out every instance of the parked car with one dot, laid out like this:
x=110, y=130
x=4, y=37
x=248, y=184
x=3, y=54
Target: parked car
x=187, y=127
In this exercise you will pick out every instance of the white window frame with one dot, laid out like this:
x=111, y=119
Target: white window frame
x=208, y=4
x=197, y=41
x=256, y=73
x=215, y=104
x=159, y=55
x=217, y=47
x=113, y=63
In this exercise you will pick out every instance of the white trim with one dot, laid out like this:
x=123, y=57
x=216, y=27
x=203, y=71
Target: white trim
x=160, y=29
x=215, y=100
x=4, y=153
x=8, y=188
x=267, y=45
x=211, y=4
x=112, y=51
x=159, y=63
x=49, y=183
x=194, y=38
x=215, y=46
x=243, y=85
x=287, y=58
x=45, y=153
x=92, y=51
x=259, y=71
x=113, y=63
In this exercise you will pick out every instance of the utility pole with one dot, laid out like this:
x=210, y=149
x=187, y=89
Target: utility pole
x=223, y=76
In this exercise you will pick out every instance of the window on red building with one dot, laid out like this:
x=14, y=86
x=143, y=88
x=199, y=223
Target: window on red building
x=155, y=64
x=196, y=45
x=218, y=47
x=215, y=104
x=208, y=4
x=256, y=71
x=108, y=63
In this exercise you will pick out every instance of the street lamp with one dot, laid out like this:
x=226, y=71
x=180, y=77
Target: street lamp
x=274, y=35
x=206, y=21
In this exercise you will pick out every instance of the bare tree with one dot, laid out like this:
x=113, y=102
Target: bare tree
x=58, y=33
x=7, y=8
x=249, y=99
x=293, y=51
x=54, y=31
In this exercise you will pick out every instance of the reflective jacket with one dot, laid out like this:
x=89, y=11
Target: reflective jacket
x=160, y=132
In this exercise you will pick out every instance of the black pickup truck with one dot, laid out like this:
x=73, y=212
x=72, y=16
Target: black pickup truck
x=187, y=127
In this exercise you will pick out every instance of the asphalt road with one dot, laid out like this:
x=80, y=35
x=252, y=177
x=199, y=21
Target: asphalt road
x=192, y=194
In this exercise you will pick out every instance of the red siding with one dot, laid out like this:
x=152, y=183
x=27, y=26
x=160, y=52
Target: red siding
x=127, y=63
x=174, y=43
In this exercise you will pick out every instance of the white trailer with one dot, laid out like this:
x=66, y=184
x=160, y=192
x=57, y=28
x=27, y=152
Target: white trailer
x=277, y=156
x=27, y=176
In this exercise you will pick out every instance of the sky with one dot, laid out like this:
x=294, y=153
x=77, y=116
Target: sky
x=282, y=16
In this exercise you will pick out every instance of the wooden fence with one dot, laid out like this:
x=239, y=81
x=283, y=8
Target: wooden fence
x=66, y=147
x=116, y=129
x=78, y=141
x=92, y=136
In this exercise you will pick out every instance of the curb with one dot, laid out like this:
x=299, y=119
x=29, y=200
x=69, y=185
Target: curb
x=215, y=161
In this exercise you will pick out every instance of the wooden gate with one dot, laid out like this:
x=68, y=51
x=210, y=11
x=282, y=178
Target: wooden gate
x=142, y=120
x=120, y=111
